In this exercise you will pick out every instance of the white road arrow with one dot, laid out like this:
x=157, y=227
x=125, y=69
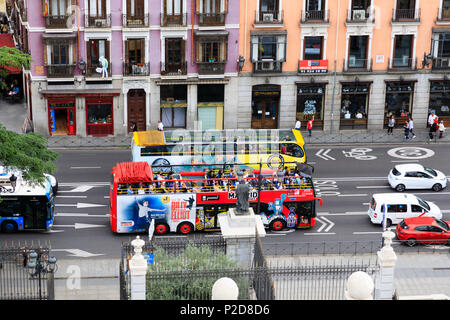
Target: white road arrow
x=78, y=226
x=79, y=253
x=80, y=205
x=323, y=153
x=330, y=226
x=325, y=223
x=84, y=215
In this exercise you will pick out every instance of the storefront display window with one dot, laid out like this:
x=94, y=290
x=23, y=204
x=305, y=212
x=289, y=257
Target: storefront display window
x=99, y=117
x=399, y=102
x=61, y=117
x=354, y=105
x=173, y=106
x=310, y=102
x=440, y=100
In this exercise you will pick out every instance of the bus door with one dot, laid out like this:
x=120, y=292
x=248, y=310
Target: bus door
x=40, y=210
x=28, y=209
x=208, y=216
x=300, y=213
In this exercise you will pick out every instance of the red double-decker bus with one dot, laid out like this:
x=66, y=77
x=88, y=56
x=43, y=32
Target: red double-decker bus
x=184, y=202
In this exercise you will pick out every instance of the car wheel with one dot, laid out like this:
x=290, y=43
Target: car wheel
x=437, y=187
x=411, y=242
x=277, y=225
x=9, y=226
x=400, y=187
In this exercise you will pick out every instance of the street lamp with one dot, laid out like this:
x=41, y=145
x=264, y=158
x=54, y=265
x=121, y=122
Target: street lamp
x=39, y=264
x=241, y=62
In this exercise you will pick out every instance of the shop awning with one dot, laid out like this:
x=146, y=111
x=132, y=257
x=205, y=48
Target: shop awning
x=6, y=40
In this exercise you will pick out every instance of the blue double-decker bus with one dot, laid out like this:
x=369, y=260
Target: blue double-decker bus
x=24, y=206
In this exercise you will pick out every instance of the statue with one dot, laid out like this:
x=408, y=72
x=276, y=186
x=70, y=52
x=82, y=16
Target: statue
x=242, y=190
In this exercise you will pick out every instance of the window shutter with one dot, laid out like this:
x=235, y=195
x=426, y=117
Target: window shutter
x=88, y=54
x=127, y=53
x=45, y=54
x=254, y=49
x=143, y=52
x=183, y=50
x=74, y=52
x=281, y=48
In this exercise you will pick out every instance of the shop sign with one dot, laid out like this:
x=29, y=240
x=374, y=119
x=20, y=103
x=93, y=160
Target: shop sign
x=313, y=66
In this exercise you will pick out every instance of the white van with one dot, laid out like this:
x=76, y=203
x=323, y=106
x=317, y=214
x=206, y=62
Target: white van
x=399, y=207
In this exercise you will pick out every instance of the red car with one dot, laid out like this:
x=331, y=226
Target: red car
x=423, y=230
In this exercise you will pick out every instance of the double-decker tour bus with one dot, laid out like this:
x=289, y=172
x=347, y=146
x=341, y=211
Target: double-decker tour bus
x=273, y=148
x=25, y=206
x=187, y=201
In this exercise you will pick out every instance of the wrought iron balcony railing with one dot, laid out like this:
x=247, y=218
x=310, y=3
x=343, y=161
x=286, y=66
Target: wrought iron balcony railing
x=174, y=69
x=269, y=17
x=400, y=15
x=60, y=70
x=97, y=21
x=137, y=21
x=358, y=65
x=402, y=64
x=360, y=16
x=205, y=68
x=170, y=20
x=136, y=69
x=211, y=19
x=58, y=22
x=311, y=16
x=441, y=63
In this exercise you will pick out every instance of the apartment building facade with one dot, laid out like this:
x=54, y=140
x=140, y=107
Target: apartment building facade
x=101, y=66
x=349, y=63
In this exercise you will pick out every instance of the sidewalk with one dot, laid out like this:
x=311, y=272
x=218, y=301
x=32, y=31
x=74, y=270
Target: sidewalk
x=12, y=115
x=98, y=279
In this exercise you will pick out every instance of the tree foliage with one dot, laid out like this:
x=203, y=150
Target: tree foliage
x=12, y=57
x=27, y=153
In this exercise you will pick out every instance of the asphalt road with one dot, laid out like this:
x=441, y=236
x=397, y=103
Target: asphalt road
x=345, y=177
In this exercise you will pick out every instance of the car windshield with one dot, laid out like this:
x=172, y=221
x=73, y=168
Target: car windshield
x=430, y=171
x=442, y=224
x=424, y=204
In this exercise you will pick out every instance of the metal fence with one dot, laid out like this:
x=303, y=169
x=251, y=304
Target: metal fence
x=16, y=282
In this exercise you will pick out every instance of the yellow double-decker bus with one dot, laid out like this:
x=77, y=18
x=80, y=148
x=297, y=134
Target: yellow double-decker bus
x=270, y=148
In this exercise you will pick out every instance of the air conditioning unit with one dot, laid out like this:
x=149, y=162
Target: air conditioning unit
x=268, y=17
x=359, y=14
x=267, y=65
x=100, y=22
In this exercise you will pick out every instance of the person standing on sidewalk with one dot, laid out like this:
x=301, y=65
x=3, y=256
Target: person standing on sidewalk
x=411, y=127
x=298, y=124
x=406, y=127
x=433, y=129
x=441, y=129
x=391, y=124
x=309, y=126
x=160, y=126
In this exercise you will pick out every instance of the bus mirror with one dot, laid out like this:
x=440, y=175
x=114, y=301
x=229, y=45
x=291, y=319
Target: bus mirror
x=320, y=200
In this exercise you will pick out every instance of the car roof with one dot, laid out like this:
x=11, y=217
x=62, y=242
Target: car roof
x=395, y=198
x=420, y=221
x=409, y=167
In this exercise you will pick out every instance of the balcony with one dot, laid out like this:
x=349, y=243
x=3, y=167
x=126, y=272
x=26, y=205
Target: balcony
x=211, y=68
x=211, y=19
x=135, y=21
x=269, y=17
x=441, y=63
x=136, y=69
x=92, y=70
x=315, y=16
x=173, y=20
x=267, y=66
x=22, y=10
x=58, y=22
x=360, y=16
x=177, y=69
x=97, y=22
x=402, y=64
x=357, y=65
x=60, y=70
x=406, y=15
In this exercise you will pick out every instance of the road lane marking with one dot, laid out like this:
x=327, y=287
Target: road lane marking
x=318, y=234
x=78, y=168
x=371, y=187
x=353, y=195
x=72, y=197
x=368, y=232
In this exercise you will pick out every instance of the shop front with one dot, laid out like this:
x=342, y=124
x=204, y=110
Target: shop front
x=210, y=105
x=61, y=116
x=173, y=105
x=310, y=103
x=265, y=106
x=99, y=116
x=399, y=101
x=440, y=100
x=354, y=105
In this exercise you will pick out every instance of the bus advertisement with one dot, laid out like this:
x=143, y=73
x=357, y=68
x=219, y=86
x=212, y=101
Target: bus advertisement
x=25, y=206
x=190, y=201
x=172, y=149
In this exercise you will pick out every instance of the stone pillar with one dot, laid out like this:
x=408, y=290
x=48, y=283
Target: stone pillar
x=387, y=258
x=225, y=289
x=138, y=270
x=239, y=231
x=359, y=286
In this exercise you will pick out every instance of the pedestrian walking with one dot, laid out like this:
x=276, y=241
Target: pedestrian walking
x=160, y=126
x=133, y=127
x=431, y=118
x=441, y=129
x=298, y=124
x=406, y=127
x=391, y=124
x=411, y=127
x=433, y=129
x=309, y=126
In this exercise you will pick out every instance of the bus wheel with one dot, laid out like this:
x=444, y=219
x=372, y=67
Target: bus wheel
x=277, y=225
x=185, y=228
x=9, y=226
x=161, y=228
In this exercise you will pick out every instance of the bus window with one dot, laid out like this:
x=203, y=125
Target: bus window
x=302, y=208
x=9, y=207
x=294, y=150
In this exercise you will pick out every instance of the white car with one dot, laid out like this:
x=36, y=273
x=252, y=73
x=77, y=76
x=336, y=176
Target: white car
x=416, y=176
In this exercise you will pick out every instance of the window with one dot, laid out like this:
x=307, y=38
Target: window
x=360, y=4
x=354, y=105
x=95, y=49
x=58, y=7
x=445, y=9
x=271, y=47
x=416, y=208
x=424, y=204
x=97, y=8
x=430, y=171
x=99, y=117
x=315, y=5
x=313, y=48
x=397, y=208
x=422, y=228
x=434, y=229
x=173, y=106
x=403, y=51
x=211, y=51
x=302, y=208
x=358, y=52
x=395, y=172
x=60, y=53
x=310, y=102
x=411, y=174
x=439, y=102
x=399, y=99
x=9, y=207
x=442, y=224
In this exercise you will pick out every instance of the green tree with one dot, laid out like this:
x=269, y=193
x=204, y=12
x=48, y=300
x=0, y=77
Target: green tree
x=27, y=153
x=12, y=57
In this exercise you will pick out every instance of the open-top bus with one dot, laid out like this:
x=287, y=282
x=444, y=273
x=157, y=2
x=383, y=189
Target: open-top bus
x=187, y=201
x=24, y=206
x=273, y=148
